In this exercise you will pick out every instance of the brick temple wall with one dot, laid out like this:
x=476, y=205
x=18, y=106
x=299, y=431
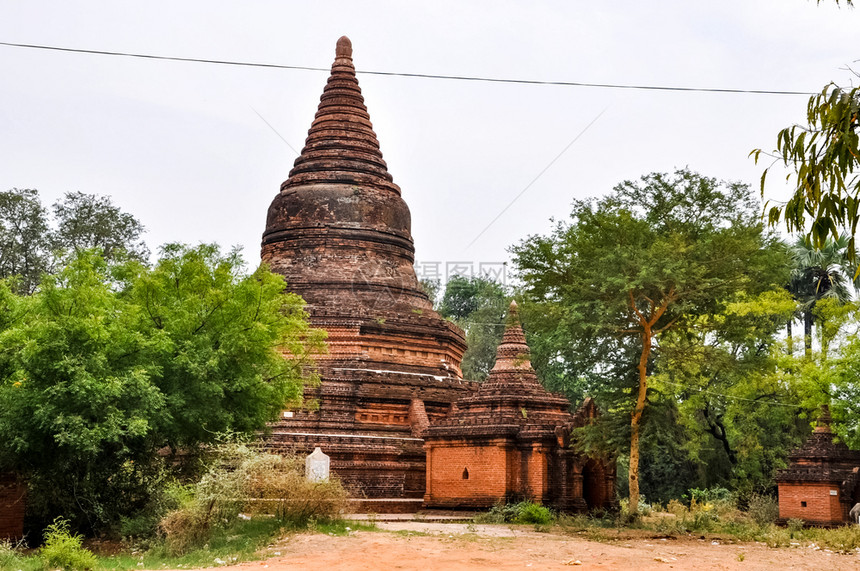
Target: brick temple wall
x=471, y=476
x=537, y=469
x=820, y=506
x=12, y=506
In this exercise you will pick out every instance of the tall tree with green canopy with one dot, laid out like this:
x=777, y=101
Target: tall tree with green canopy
x=25, y=238
x=33, y=243
x=479, y=306
x=650, y=257
x=109, y=362
x=91, y=221
x=727, y=376
x=819, y=273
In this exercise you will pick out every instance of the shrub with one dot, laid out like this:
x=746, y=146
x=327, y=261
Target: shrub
x=276, y=485
x=244, y=480
x=676, y=508
x=64, y=550
x=702, y=520
x=533, y=513
x=499, y=513
x=643, y=509
x=185, y=528
x=763, y=509
x=144, y=525
x=707, y=495
x=520, y=512
x=794, y=525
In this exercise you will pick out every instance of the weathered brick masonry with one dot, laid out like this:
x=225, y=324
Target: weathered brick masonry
x=340, y=233
x=822, y=481
x=12, y=505
x=511, y=440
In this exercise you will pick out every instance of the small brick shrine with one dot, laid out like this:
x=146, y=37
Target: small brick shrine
x=511, y=440
x=340, y=233
x=822, y=481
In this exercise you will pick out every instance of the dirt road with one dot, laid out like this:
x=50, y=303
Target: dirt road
x=447, y=546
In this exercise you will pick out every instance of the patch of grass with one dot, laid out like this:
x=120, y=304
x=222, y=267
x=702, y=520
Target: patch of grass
x=845, y=539
x=409, y=533
x=340, y=527
x=12, y=558
x=232, y=544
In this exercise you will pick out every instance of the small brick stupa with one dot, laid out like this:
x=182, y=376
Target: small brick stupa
x=340, y=233
x=511, y=441
x=822, y=481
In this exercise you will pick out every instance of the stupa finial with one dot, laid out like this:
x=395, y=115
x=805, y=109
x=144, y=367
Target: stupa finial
x=824, y=419
x=344, y=47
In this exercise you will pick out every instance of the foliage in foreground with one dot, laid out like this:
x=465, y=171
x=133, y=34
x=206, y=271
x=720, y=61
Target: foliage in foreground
x=247, y=483
x=108, y=363
x=245, y=500
x=713, y=513
x=520, y=512
x=825, y=157
x=64, y=550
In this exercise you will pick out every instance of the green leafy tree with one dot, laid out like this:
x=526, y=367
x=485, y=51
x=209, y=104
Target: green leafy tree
x=109, y=362
x=25, y=249
x=87, y=221
x=479, y=306
x=819, y=273
x=651, y=257
x=431, y=287
x=30, y=240
x=727, y=375
x=825, y=157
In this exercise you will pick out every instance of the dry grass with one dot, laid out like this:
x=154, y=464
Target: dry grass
x=246, y=482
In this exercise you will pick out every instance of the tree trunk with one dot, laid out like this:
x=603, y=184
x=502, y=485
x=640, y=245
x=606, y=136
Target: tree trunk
x=807, y=331
x=636, y=418
x=718, y=430
x=789, y=341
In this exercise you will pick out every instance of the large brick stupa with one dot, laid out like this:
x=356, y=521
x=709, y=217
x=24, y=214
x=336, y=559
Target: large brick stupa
x=339, y=232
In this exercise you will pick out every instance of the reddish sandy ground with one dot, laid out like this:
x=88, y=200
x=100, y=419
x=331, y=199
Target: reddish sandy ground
x=428, y=546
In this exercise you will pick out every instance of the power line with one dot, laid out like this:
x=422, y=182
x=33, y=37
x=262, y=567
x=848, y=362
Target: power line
x=535, y=179
x=706, y=391
x=414, y=75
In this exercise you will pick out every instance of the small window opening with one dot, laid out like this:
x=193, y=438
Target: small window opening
x=465, y=473
x=803, y=504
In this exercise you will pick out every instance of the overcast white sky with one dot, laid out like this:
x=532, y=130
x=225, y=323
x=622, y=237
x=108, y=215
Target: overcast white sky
x=180, y=146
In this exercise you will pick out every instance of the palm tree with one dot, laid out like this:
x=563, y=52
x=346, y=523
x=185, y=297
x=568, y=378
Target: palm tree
x=818, y=274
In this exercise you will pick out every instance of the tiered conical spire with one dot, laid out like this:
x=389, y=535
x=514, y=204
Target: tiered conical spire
x=824, y=420
x=513, y=369
x=512, y=397
x=340, y=233
x=820, y=446
x=341, y=146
